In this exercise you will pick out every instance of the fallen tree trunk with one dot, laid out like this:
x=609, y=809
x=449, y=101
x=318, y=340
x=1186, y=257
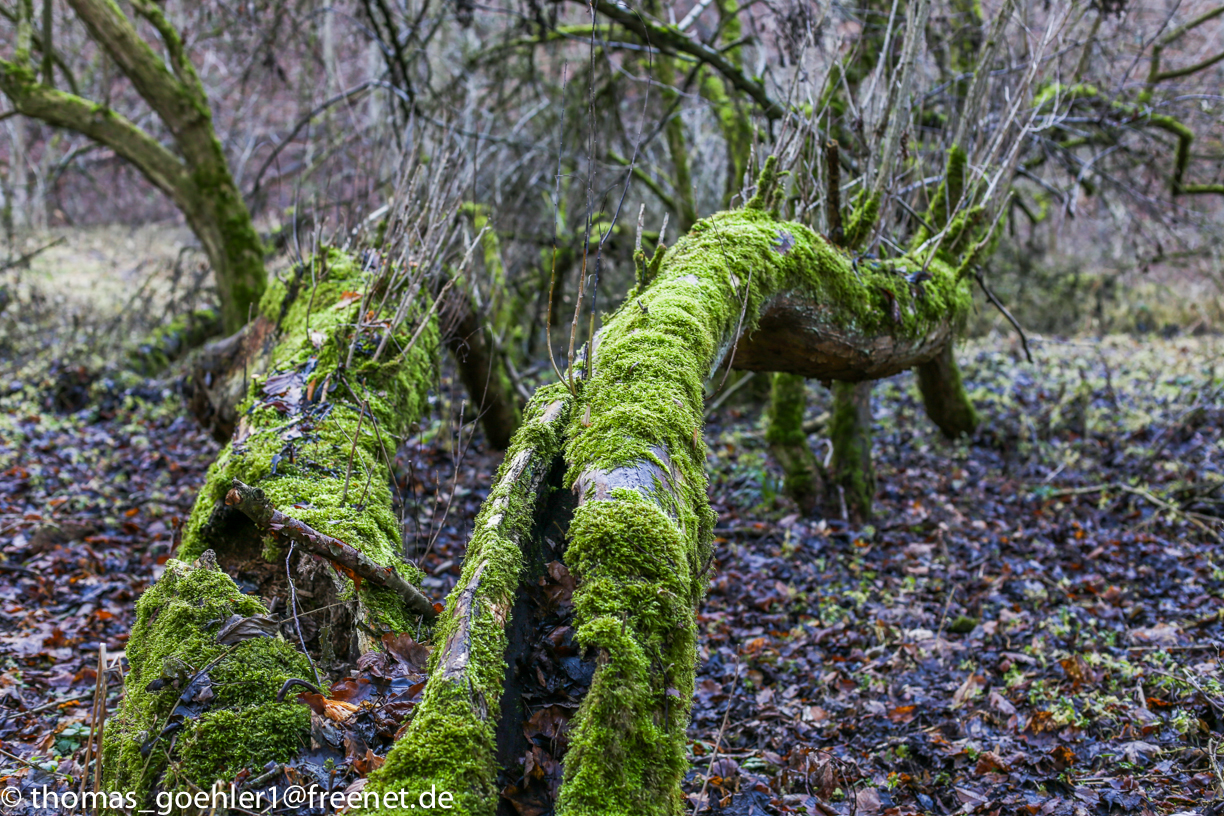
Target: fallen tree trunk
x=312, y=441
x=639, y=539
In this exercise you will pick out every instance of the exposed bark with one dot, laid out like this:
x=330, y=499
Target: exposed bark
x=852, y=474
x=943, y=395
x=221, y=375
x=798, y=333
x=197, y=179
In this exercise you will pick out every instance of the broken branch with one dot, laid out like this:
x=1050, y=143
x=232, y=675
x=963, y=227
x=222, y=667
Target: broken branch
x=255, y=506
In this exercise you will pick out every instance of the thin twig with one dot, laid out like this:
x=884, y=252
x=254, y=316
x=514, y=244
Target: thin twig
x=999, y=305
x=293, y=605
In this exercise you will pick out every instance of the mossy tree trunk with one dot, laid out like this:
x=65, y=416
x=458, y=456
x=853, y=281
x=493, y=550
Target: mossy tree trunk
x=484, y=375
x=943, y=394
x=478, y=341
x=314, y=434
x=197, y=178
x=639, y=537
x=802, y=476
x=851, y=472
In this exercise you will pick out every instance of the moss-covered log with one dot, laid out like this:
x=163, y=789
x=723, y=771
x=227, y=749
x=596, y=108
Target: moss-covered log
x=639, y=537
x=452, y=743
x=195, y=710
x=314, y=435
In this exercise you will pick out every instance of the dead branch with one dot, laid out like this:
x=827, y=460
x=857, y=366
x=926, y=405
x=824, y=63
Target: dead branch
x=255, y=506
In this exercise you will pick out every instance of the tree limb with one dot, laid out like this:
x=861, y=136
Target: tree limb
x=255, y=506
x=661, y=35
x=120, y=134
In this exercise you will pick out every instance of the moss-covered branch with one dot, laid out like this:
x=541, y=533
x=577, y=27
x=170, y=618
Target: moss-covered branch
x=255, y=506
x=670, y=38
x=640, y=536
x=450, y=744
x=943, y=395
x=1137, y=116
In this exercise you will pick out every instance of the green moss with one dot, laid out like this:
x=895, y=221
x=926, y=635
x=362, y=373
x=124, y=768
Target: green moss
x=640, y=555
x=636, y=608
x=947, y=196
x=850, y=430
x=301, y=462
x=450, y=744
x=167, y=343
x=864, y=211
x=176, y=622
x=788, y=442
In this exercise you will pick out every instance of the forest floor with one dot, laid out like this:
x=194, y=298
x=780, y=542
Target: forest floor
x=1033, y=624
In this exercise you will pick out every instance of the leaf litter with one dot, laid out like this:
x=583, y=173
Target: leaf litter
x=1032, y=625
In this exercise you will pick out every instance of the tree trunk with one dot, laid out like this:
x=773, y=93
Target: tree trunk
x=313, y=443
x=944, y=396
x=484, y=375
x=802, y=477
x=852, y=474
x=198, y=179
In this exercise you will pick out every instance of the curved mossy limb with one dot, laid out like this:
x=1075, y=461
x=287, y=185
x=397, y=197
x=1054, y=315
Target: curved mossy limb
x=450, y=745
x=801, y=476
x=851, y=472
x=296, y=429
x=173, y=643
x=944, y=396
x=640, y=538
